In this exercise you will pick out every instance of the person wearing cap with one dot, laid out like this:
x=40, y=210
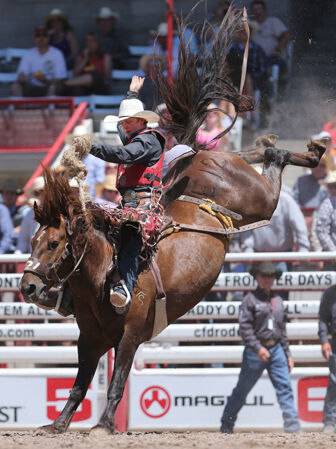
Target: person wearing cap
x=6, y=230
x=112, y=40
x=62, y=35
x=326, y=219
x=160, y=43
x=29, y=226
x=110, y=194
x=262, y=327
x=140, y=159
x=308, y=189
x=41, y=69
x=327, y=325
x=10, y=192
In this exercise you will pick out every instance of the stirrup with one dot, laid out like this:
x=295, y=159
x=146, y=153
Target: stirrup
x=121, y=309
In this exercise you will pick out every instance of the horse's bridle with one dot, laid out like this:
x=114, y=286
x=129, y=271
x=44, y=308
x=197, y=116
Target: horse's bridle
x=49, y=272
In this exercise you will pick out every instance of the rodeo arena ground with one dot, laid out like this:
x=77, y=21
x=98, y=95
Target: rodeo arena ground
x=220, y=219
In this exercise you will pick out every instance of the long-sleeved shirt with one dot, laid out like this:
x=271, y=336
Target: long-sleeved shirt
x=28, y=228
x=6, y=230
x=326, y=224
x=327, y=314
x=144, y=149
x=309, y=192
x=287, y=228
x=95, y=172
x=256, y=311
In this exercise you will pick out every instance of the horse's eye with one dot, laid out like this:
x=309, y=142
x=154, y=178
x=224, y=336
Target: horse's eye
x=53, y=245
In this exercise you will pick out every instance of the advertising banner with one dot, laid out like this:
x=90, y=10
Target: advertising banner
x=195, y=398
x=30, y=398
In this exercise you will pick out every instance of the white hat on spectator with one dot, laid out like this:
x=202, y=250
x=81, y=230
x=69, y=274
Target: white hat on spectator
x=132, y=107
x=106, y=13
x=331, y=177
x=321, y=135
x=38, y=183
x=56, y=13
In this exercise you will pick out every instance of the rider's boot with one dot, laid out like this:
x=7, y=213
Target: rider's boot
x=120, y=297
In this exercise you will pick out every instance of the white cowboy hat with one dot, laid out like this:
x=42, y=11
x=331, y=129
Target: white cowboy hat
x=132, y=108
x=162, y=30
x=56, y=12
x=331, y=177
x=106, y=13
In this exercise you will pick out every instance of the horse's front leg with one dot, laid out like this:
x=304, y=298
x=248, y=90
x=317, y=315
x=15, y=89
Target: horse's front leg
x=124, y=355
x=89, y=353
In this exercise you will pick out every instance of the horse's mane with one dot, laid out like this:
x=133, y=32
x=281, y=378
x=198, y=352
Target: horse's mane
x=199, y=81
x=58, y=198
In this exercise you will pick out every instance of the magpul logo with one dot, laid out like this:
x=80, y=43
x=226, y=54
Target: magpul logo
x=155, y=402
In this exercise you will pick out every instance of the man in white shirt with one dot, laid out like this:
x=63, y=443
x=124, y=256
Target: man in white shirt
x=272, y=35
x=41, y=69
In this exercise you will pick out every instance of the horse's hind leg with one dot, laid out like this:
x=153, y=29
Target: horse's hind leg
x=124, y=355
x=89, y=354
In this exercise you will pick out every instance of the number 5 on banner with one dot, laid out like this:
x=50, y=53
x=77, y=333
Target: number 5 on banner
x=55, y=384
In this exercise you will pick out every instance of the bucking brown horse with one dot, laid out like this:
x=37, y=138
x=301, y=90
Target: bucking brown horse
x=189, y=261
x=72, y=245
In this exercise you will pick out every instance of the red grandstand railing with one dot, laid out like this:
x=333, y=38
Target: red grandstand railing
x=32, y=124
x=78, y=115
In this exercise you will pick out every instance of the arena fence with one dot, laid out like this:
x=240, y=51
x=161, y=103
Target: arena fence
x=165, y=392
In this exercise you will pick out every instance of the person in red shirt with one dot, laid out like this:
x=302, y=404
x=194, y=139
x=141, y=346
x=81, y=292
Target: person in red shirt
x=92, y=71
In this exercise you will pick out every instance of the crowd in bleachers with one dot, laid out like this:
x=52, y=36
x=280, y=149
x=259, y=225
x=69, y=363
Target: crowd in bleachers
x=57, y=66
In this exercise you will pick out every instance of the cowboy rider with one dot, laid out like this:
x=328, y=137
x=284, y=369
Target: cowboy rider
x=140, y=159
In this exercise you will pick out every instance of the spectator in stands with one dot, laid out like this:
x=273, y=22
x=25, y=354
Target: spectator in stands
x=287, y=231
x=62, y=35
x=41, y=69
x=10, y=192
x=113, y=42
x=110, y=194
x=29, y=226
x=262, y=326
x=257, y=65
x=327, y=325
x=308, y=189
x=111, y=168
x=161, y=42
x=330, y=128
x=148, y=94
x=92, y=71
x=273, y=35
x=287, y=228
x=210, y=129
x=95, y=167
x=326, y=218
x=6, y=230
x=220, y=11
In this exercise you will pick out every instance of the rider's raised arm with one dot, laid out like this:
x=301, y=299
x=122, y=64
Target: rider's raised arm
x=135, y=87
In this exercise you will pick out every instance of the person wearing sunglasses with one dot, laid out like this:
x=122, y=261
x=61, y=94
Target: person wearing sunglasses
x=41, y=69
x=262, y=326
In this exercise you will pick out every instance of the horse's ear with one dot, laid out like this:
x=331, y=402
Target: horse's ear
x=37, y=212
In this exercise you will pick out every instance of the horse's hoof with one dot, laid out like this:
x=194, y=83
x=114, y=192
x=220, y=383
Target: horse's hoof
x=48, y=429
x=100, y=431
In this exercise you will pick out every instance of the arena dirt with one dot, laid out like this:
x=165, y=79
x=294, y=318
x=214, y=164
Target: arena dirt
x=166, y=440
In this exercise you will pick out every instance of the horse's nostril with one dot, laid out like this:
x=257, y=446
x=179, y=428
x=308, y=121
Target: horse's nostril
x=28, y=289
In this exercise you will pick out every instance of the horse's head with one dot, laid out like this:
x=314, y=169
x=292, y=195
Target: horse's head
x=50, y=262
x=60, y=242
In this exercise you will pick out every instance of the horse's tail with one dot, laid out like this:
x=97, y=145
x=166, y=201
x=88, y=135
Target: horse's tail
x=199, y=80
